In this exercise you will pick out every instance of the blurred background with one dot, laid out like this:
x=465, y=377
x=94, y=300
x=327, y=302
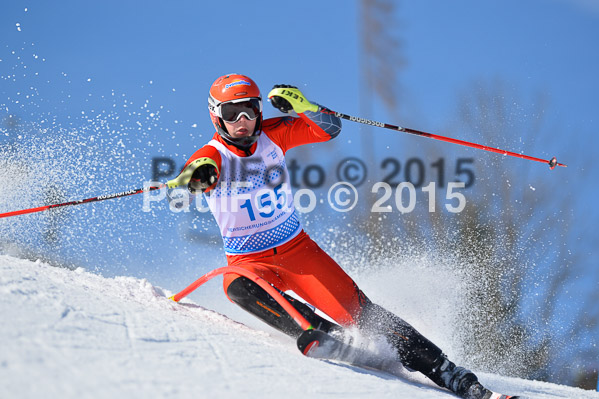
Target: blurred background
x=100, y=97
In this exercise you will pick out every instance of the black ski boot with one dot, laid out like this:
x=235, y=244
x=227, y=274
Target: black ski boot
x=459, y=380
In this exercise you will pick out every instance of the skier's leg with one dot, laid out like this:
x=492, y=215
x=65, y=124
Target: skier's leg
x=317, y=278
x=252, y=298
x=418, y=353
x=303, y=267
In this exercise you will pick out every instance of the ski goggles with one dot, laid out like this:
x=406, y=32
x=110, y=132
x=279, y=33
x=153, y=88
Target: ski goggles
x=231, y=111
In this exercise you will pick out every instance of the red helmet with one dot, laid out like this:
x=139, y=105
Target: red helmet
x=230, y=97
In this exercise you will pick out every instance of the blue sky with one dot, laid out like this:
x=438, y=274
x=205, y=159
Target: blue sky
x=82, y=58
x=123, y=46
x=87, y=54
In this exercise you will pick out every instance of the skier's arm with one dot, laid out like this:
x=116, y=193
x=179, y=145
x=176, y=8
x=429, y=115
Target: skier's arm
x=316, y=125
x=200, y=172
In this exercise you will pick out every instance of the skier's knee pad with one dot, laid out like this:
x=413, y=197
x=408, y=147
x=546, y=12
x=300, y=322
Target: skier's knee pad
x=241, y=290
x=247, y=294
x=254, y=299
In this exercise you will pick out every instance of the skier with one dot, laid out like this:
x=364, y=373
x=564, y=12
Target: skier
x=242, y=174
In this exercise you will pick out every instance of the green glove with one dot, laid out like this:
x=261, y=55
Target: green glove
x=185, y=176
x=284, y=97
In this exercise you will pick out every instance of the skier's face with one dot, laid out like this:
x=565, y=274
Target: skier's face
x=242, y=128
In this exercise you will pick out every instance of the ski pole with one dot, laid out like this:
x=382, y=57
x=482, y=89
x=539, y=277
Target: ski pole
x=552, y=162
x=82, y=201
x=182, y=179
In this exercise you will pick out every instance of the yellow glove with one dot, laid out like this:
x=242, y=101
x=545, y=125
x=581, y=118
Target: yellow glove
x=202, y=173
x=285, y=98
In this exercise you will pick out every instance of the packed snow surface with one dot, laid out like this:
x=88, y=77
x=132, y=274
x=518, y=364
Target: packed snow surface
x=68, y=334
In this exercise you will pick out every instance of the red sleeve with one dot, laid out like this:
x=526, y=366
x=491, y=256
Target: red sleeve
x=206, y=151
x=288, y=132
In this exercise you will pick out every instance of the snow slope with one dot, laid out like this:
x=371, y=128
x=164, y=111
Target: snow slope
x=68, y=334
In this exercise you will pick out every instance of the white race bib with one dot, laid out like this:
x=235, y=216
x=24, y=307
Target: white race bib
x=252, y=201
